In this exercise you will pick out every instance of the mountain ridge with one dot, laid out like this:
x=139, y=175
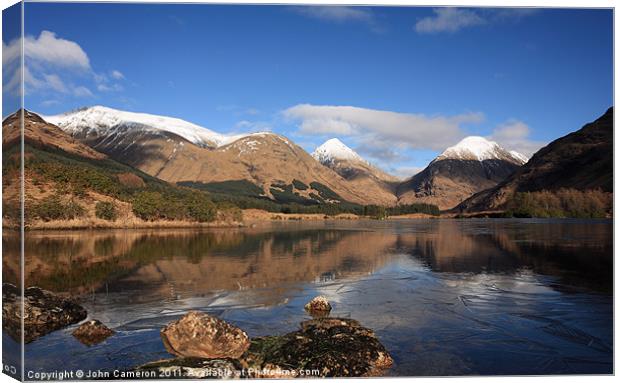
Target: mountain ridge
x=265, y=159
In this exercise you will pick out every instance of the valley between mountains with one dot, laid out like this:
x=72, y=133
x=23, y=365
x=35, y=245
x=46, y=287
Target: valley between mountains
x=101, y=167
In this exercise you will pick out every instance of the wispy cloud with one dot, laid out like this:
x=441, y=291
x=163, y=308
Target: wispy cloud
x=253, y=126
x=48, y=103
x=404, y=172
x=515, y=135
x=335, y=13
x=109, y=82
x=401, y=130
x=341, y=14
x=238, y=110
x=117, y=75
x=82, y=91
x=450, y=20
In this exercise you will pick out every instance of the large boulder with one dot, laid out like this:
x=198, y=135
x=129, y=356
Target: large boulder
x=44, y=312
x=92, y=332
x=201, y=335
x=325, y=347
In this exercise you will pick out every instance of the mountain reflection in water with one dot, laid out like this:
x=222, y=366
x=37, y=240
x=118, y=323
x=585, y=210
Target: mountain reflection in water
x=444, y=296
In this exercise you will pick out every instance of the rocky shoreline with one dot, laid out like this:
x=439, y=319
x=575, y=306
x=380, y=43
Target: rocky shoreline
x=44, y=312
x=205, y=346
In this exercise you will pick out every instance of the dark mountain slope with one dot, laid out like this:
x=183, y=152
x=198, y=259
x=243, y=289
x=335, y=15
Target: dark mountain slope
x=582, y=160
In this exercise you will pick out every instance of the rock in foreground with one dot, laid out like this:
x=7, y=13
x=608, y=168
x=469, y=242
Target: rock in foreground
x=92, y=332
x=318, y=306
x=201, y=335
x=333, y=347
x=44, y=312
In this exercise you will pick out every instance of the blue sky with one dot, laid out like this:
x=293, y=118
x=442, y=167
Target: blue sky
x=396, y=84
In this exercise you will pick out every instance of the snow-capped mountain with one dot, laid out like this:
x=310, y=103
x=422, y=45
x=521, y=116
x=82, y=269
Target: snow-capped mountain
x=470, y=166
x=334, y=150
x=179, y=151
x=104, y=121
x=480, y=149
x=337, y=156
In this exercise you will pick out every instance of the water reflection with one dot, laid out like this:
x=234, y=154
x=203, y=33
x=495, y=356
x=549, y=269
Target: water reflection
x=446, y=297
x=172, y=264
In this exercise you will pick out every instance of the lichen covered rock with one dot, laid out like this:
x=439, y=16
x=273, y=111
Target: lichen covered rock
x=332, y=347
x=318, y=306
x=44, y=312
x=92, y=332
x=201, y=335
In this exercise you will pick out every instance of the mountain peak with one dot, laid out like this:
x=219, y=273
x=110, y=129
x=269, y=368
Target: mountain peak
x=100, y=119
x=480, y=149
x=332, y=150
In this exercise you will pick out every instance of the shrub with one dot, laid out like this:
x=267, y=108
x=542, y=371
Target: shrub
x=199, y=207
x=106, y=210
x=563, y=203
x=148, y=205
x=53, y=208
x=230, y=212
x=324, y=191
x=375, y=211
x=299, y=185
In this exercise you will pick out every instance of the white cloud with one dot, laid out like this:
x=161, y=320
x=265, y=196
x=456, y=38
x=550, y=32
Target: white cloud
x=109, y=83
x=54, y=82
x=82, y=91
x=336, y=13
x=254, y=126
x=372, y=127
x=11, y=52
x=48, y=103
x=448, y=20
x=514, y=135
x=54, y=66
x=405, y=172
x=109, y=88
x=49, y=49
x=117, y=75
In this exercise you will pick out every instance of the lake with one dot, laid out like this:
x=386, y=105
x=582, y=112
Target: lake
x=446, y=297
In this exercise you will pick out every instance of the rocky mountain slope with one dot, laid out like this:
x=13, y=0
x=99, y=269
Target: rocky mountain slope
x=67, y=181
x=39, y=133
x=472, y=165
x=178, y=151
x=582, y=160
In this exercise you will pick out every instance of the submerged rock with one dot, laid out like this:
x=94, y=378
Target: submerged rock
x=201, y=335
x=44, y=312
x=318, y=306
x=326, y=347
x=184, y=368
x=92, y=332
